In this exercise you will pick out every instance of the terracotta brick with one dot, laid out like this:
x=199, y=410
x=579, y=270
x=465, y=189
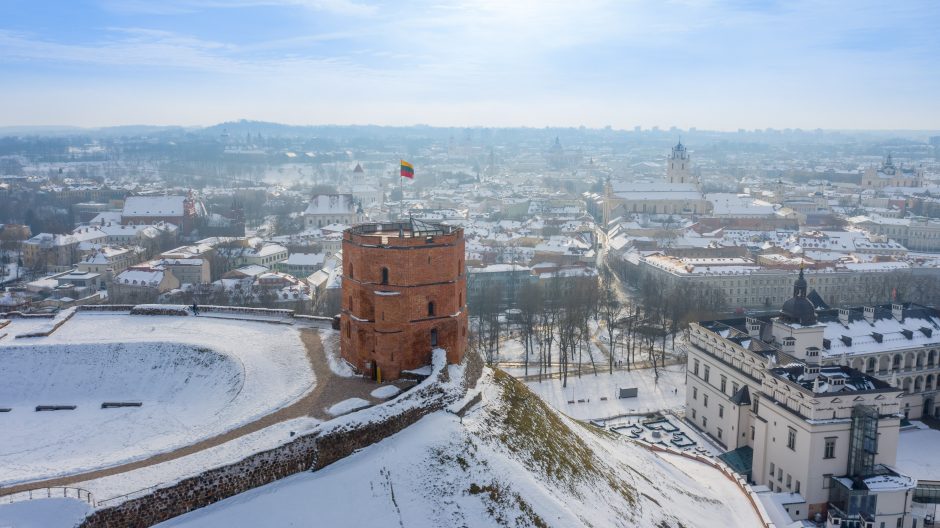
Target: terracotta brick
x=389, y=284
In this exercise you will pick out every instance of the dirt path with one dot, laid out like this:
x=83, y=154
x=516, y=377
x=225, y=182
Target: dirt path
x=329, y=389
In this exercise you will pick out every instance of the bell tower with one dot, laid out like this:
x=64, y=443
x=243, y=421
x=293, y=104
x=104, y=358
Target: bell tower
x=678, y=168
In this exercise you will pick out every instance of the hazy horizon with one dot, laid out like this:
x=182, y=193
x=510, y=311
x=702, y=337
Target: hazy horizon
x=716, y=66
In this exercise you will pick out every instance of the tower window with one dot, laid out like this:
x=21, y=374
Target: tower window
x=384, y=275
x=431, y=309
x=434, y=337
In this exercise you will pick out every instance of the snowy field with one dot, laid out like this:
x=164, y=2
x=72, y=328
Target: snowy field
x=668, y=393
x=195, y=378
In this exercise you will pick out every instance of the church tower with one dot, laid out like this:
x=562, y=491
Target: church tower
x=679, y=169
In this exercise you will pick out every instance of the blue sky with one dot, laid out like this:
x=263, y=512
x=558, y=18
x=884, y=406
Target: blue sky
x=715, y=65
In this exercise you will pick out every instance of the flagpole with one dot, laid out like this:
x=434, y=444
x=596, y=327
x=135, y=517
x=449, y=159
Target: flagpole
x=401, y=202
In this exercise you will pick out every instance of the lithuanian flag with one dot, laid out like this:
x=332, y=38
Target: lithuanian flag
x=407, y=170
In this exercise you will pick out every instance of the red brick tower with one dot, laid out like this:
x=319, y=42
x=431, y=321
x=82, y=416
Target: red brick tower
x=404, y=294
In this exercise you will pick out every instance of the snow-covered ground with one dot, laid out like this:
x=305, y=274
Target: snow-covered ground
x=347, y=406
x=43, y=513
x=338, y=365
x=386, y=392
x=444, y=471
x=667, y=431
x=668, y=393
x=196, y=378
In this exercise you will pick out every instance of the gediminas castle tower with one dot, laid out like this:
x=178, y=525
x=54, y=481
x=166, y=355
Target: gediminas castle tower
x=404, y=294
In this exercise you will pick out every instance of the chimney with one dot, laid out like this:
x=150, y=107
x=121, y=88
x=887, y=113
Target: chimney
x=870, y=314
x=897, y=311
x=753, y=327
x=844, y=316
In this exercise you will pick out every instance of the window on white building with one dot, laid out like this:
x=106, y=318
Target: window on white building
x=707, y=372
x=791, y=438
x=705, y=400
x=724, y=383
x=721, y=411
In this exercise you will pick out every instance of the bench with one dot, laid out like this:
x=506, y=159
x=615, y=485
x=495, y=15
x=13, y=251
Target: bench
x=115, y=405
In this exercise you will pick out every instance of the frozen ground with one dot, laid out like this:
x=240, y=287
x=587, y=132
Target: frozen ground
x=43, y=513
x=488, y=470
x=668, y=393
x=196, y=378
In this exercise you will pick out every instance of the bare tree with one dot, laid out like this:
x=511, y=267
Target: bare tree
x=611, y=311
x=530, y=306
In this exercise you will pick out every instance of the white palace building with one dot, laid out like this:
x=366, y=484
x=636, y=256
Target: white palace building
x=809, y=403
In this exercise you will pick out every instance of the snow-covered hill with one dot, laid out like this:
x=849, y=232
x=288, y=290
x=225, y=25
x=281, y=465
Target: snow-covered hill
x=511, y=461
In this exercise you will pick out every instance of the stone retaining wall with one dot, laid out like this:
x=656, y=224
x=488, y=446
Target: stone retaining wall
x=49, y=329
x=106, y=307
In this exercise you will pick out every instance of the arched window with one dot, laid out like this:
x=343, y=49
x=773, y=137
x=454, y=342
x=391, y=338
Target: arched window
x=434, y=337
x=431, y=309
x=384, y=275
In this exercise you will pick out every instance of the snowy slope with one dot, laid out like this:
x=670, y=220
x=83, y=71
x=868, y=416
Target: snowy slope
x=196, y=378
x=43, y=513
x=511, y=461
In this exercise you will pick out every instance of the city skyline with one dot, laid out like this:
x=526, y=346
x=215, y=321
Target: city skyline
x=711, y=65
